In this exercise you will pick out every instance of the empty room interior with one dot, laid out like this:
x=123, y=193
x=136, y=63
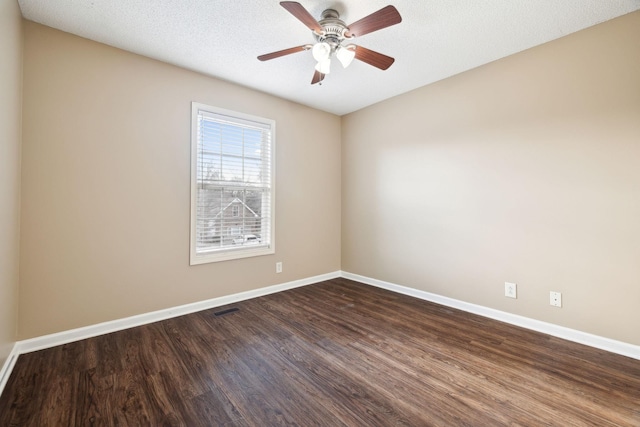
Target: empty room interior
x=445, y=231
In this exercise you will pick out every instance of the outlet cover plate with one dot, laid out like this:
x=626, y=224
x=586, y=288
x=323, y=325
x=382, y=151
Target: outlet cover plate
x=555, y=299
x=510, y=290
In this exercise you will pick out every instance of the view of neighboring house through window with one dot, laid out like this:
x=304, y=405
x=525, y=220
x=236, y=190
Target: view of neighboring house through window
x=231, y=185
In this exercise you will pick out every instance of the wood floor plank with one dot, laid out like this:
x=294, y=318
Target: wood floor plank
x=336, y=353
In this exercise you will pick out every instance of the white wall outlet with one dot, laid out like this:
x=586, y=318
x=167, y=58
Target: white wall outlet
x=278, y=267
x=510, y=290
x=555, y=299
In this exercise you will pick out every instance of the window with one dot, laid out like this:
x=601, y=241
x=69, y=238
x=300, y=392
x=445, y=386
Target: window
x=232, y=176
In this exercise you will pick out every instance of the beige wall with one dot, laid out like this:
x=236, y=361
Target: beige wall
x=10, y=116
x=105, y=186
x=523, y=170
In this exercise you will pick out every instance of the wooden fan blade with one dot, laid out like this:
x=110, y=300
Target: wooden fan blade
x=297, y=10
x=283, y=52
x=373, y=58
x=385, y=17
x=317, y=77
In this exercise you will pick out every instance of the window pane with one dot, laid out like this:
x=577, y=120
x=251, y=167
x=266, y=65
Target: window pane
x=233, y=205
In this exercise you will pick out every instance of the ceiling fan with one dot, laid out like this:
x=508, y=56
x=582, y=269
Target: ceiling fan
x=331, y=35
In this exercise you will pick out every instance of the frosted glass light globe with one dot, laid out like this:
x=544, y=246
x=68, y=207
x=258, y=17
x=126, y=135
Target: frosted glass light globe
x=321, y=51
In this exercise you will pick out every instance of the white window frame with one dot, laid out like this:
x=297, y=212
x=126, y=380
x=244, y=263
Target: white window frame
x=229, y=253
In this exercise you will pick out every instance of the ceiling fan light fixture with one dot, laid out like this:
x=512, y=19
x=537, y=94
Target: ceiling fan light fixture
x=345, y=54
x=321, y=51
x=324, y=67
x=329, y=34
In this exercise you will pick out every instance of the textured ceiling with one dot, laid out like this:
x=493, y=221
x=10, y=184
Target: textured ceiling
x=222, y=38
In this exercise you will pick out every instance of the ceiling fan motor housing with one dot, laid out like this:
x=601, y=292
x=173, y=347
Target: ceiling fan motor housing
x=334, y=29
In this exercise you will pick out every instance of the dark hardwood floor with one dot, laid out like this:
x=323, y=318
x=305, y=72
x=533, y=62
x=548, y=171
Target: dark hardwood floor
x=331, y=354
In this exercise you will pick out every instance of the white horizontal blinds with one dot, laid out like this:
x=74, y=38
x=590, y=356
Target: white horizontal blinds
x=233, y=183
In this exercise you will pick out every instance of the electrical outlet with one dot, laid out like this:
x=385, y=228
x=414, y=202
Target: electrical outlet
x=555, y=299
x=278, y=267
x=510, y=290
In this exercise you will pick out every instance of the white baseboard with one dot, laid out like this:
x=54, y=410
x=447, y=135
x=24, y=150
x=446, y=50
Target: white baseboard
x=7, y=367
x=618, y=347
x=52, y=340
